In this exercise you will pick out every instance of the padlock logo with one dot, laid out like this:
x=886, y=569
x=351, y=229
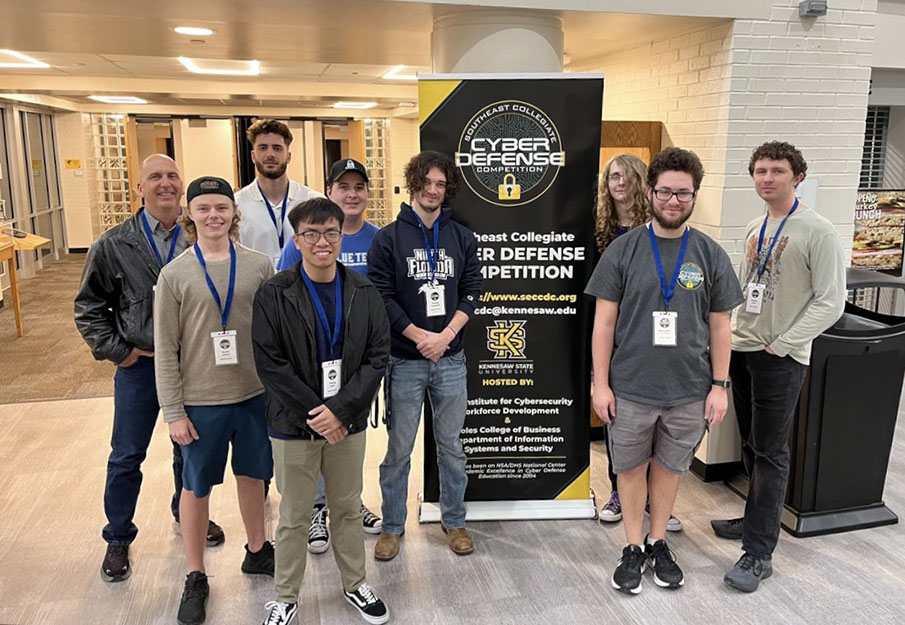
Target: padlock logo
x=509, y=190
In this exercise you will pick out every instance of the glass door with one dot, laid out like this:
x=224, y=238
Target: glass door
x=46, y=211
x=6, y=196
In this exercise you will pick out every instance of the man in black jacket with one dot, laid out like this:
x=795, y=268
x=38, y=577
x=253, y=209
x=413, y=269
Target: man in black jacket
x=321, y=340
x=426, y=266
x=114, y=314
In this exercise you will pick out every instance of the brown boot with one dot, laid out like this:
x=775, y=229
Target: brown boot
x=459, y=541
x=387, y=547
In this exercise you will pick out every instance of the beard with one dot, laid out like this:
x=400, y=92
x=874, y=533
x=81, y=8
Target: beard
x=670, y=224
x=273, y=174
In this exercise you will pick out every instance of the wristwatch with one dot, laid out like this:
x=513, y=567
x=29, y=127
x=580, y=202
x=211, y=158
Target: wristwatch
x=723, y=383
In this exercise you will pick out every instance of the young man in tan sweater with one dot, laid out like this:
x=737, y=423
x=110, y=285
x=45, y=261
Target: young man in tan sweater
x=207, y=386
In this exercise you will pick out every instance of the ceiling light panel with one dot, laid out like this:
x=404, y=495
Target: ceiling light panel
x=395, y=73
x=354, y=105
x=221, y=67
x=194, y=31
x=117, y=99
x=17, y=60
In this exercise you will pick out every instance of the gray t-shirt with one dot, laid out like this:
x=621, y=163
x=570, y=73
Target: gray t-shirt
x=627, y=274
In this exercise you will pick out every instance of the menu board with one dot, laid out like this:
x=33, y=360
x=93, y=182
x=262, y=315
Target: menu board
x=879, y=230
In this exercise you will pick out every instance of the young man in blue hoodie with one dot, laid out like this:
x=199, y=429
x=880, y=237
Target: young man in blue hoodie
x=426, y=266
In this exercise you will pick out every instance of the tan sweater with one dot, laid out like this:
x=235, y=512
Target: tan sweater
x=185, y=314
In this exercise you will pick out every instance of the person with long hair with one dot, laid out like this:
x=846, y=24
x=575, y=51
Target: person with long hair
x=621, y=206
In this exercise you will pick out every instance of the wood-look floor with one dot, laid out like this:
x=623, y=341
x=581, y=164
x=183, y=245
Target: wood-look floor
x=52, y=465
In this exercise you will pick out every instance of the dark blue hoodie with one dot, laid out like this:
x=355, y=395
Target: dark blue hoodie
x=398, y=267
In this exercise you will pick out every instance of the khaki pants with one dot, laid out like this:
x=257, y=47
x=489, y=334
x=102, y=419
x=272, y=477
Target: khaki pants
x=296, y=464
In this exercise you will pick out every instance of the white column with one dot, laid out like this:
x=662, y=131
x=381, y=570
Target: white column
x=491, y=41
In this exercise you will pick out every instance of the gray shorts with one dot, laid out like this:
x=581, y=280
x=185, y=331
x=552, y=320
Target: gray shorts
x=642, y=432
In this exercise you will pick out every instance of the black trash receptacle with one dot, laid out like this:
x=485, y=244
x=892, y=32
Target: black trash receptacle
x=846, y=419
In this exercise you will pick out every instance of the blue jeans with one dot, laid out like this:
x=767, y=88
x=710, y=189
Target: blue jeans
x=134, y=415
x=445, y=382
x=765, y=391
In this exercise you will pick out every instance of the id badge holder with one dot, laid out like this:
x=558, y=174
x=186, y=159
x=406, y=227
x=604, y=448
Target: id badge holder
x=331, y=371
x=435, y=300
x=226, y=348
x=755, y=298
x=665, y=326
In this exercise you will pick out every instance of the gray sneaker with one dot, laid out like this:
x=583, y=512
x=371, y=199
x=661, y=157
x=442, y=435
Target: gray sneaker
x=748, y=572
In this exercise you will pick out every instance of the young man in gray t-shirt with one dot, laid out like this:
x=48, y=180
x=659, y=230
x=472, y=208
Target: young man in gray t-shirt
x=660, y=347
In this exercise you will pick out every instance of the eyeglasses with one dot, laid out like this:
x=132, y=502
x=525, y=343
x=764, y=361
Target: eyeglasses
x=616, y=177
x=665, y=195
x=311, y=237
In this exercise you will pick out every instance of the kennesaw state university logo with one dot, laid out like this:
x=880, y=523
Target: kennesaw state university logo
x=419, y=268
x=690, y=276
x=510, y=153
x=506, y=339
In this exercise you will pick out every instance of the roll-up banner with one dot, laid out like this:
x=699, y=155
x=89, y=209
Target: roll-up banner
x=528, y=149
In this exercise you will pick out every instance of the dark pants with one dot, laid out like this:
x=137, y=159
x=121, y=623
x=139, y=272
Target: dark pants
x=134, y=415
x=765, y=392
x=609, y=461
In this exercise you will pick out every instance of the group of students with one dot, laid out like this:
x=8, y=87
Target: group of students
x=283, y=367
x=675, y=326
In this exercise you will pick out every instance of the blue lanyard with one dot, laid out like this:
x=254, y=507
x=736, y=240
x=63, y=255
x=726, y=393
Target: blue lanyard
x=431, y=254
x=763, y=231
x=273, y=217
x=150, y=235
x=668, y=290
x=319, y=307
x=224, y=310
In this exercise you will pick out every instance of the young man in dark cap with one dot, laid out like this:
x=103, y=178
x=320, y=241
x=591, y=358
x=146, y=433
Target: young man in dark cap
x=207, y=385
x=347, y=187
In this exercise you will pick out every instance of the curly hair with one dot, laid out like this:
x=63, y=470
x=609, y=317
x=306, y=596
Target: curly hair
x=268, y=126
x=417, y=169
x=191, y=232
x=777, y=151
x=676, y=159
x=635, y=172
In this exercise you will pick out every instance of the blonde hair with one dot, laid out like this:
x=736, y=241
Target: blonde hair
x=635, y=172
x=191, y=232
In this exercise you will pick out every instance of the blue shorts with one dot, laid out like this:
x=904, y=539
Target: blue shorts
x=245, y=426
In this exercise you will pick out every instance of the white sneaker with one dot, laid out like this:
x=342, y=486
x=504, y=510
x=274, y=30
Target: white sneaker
x=368, y=604
x=318, y=536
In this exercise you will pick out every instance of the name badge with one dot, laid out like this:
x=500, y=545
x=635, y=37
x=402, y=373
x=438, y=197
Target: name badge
x=755, y=298
x=665, y=324
x=332, y=371
x=435, y=300
x=226, y=348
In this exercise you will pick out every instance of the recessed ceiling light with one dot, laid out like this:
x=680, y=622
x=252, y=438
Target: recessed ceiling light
x=394, y=74
x=24, y=61
x=117, y=99
x=193, y=30
x=222, y=67
x=354, y=105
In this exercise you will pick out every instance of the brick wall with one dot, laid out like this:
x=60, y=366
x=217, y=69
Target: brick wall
x=79, y=195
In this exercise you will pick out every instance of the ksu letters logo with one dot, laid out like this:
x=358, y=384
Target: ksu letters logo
x=510, y=153
x=506, y=339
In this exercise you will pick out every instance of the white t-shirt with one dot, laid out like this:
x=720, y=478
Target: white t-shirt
x=256, y=229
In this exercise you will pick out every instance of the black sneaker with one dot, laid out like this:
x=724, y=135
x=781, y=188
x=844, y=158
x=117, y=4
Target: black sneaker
x=116, y=566
x=280, y=613
x=370, y=522
x=748, y=572
x=369, y=605
x=259, y=562
x=733, y=529
x=215, y=535
x=627, y=576
x=194, y=596
x=318, y=536
x=667, y=573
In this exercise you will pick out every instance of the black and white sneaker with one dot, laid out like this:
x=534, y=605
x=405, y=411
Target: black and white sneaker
x=280, y=613
x=370, y=522
x=116, y=566
x=194, y=596
x=667, y=573
x=318, y=536
x=369, y=605
x=627, y=576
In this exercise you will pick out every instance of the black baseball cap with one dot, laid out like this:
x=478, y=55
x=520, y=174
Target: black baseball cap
x=344, y=165
x=209, y=184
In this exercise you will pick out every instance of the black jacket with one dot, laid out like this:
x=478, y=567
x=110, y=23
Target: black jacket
x=398, y=267
x=285, y=347
x=115, y=304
